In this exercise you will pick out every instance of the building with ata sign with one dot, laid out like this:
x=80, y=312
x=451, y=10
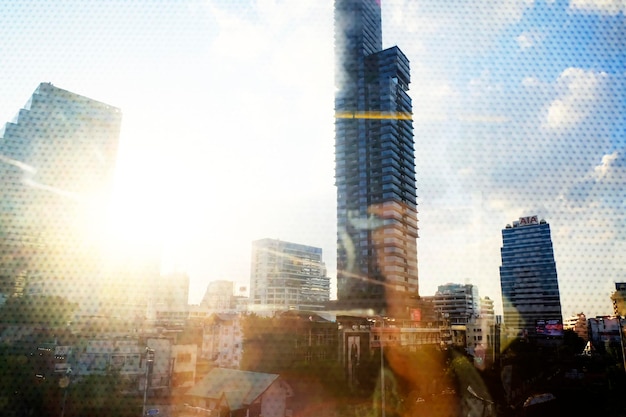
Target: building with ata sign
x=528, y=277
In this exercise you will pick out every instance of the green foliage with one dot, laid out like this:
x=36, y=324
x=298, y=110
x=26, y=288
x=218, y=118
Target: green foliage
x=268, y=345
x=25, y=387
x=46, y=311
x=572, y=343
x=28, y=387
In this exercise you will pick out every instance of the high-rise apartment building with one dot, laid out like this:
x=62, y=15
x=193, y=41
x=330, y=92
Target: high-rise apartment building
x=457, y=303
x=57, y=160
x=287, y=276
x=374, y=165
x=530, y=288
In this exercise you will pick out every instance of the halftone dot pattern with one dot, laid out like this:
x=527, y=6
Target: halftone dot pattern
x=518, y=109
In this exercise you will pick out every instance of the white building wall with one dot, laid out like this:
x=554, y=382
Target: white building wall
x=222, y=341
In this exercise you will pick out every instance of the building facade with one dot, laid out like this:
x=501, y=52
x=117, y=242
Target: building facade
x=57, y=160
x=222, y=340
x=578, y=324
x=481, y=334
x=287, y=276
x=618, y=299
x=457, y=303
x=374, y=165
x=528, y=277
x=606, y=333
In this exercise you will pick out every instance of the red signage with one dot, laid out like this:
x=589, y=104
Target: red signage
x=527, y=221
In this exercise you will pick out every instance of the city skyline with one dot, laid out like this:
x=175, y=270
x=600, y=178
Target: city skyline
x=518, y=110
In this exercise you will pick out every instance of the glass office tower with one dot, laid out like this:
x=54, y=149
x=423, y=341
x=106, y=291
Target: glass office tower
x=57, y=160
x=287, y=276
x=530, y=288
x=374, y=165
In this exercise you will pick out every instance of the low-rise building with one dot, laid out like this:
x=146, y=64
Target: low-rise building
x=224, y=392
x=222, y=340
x=605, y=333
x=578, y=324
x=184, y=365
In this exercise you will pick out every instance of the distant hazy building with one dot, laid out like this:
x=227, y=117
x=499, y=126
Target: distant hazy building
x=374, y=166
x=458, y=303
x=530, y=288
x=287, y=276
x=168, y=302
x=486, y=308
x=219, y=296
x=57, y=159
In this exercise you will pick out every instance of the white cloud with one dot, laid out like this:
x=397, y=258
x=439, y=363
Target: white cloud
x=528, y=39
x=611, y=7
x=579, y=93
x=531, y=82
x=448, y=23
x=559, y=115
x=603, y=169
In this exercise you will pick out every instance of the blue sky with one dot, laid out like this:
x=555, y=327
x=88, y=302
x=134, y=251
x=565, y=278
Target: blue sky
x=519, y=109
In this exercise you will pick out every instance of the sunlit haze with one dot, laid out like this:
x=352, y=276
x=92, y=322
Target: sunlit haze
x=228, y=127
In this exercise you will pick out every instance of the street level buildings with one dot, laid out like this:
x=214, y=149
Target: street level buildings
x=374, y=166
x=287, y=276
x=528, y=277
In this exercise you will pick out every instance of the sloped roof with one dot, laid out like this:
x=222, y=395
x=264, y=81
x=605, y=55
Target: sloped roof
x=240, y=388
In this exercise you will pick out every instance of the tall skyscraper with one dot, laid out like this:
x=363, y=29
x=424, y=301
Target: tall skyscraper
x=530, y=288
x=57, y=160
x=374, y=165
x=287, y=276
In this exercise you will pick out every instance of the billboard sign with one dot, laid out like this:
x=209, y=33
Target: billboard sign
x=552, y=327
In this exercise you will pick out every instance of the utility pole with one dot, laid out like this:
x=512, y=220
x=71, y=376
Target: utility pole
x=149, y=363
x=621, y=340
x=382, y=368
x=65, y=381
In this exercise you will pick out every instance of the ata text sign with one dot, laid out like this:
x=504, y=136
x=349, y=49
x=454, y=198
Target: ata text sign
x=527, y=221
